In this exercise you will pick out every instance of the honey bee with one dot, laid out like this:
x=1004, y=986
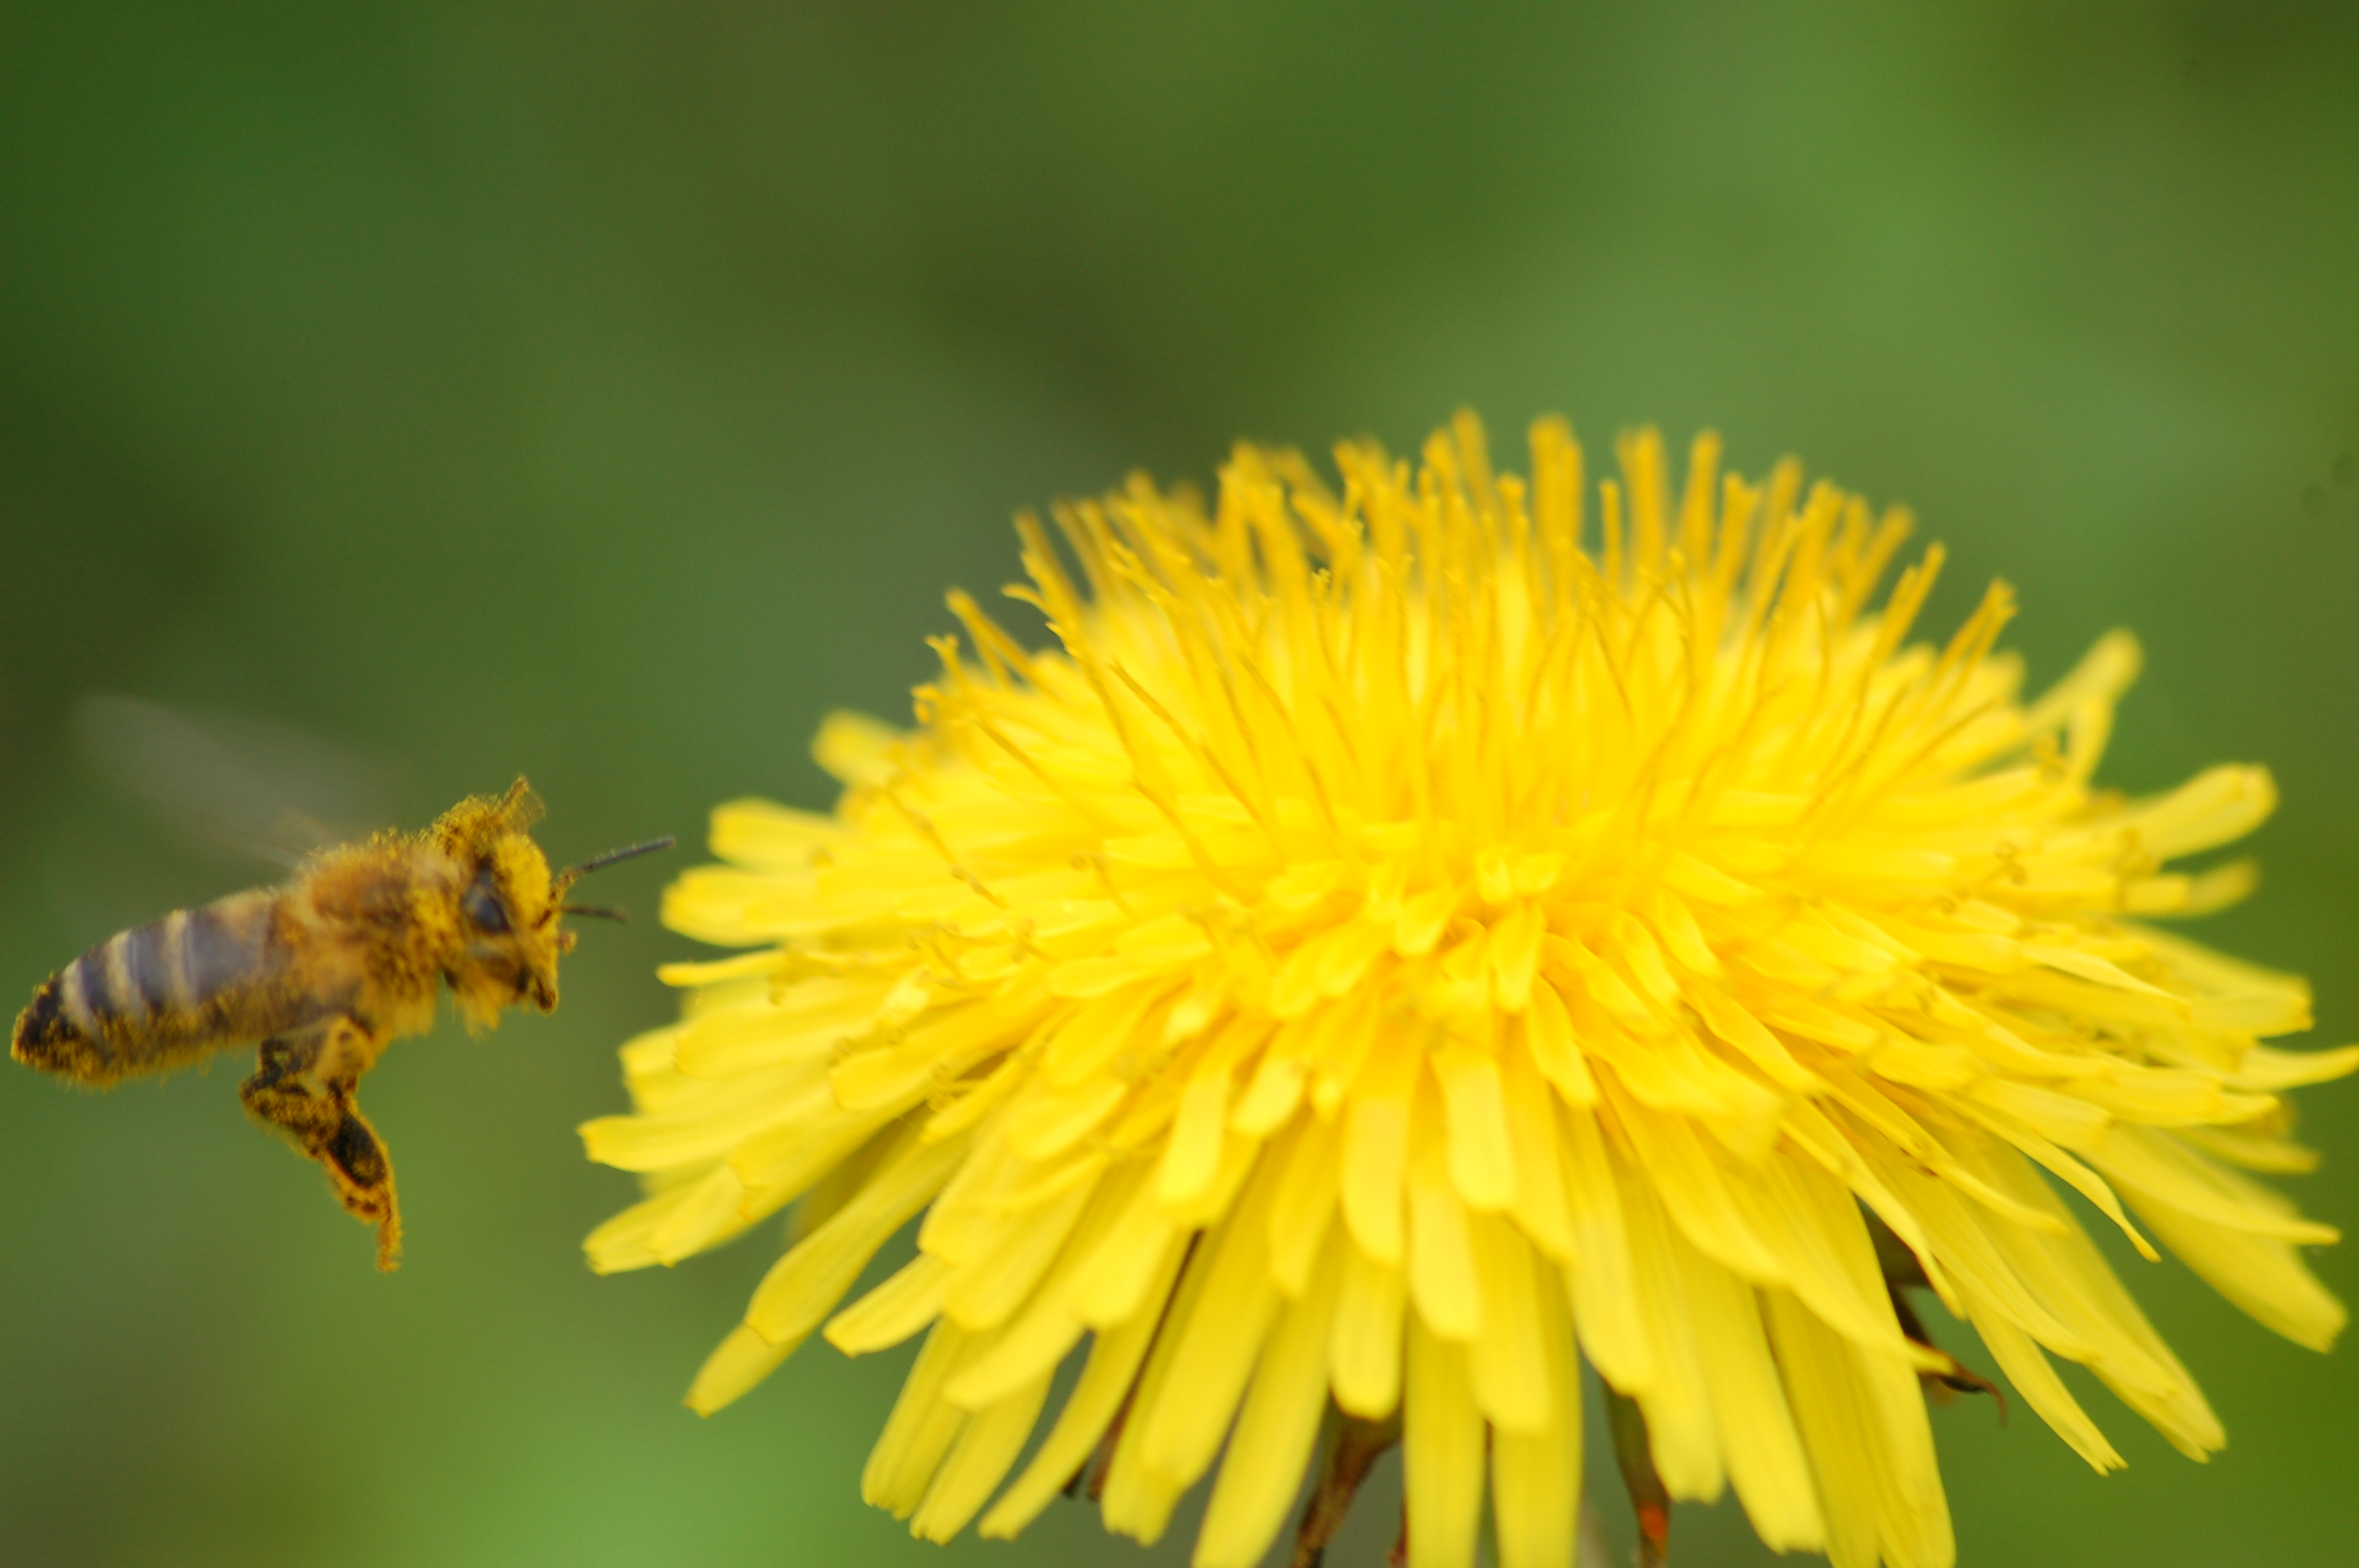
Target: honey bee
x=324, y=971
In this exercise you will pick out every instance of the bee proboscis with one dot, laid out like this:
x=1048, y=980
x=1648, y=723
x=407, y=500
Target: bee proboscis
x=324, y=970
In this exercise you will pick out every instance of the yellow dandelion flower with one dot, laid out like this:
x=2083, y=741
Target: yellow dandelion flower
x=1408, y=940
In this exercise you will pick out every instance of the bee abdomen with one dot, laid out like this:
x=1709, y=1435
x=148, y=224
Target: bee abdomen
x=44, y=1038
x=147, y=996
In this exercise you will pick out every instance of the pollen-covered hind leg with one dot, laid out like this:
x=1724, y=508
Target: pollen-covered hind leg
x=363, y=1172
x=324, y=1120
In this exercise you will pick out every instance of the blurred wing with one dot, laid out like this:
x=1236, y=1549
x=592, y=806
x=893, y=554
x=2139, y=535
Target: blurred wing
x=227, y=779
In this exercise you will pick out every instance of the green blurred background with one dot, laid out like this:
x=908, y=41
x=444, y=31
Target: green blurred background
x=603, y=392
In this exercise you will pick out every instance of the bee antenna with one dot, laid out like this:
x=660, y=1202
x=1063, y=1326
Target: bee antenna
x=571, y=874
x=604, y=912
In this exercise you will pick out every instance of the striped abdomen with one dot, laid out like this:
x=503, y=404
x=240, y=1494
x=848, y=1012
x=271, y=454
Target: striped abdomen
x=158, y=994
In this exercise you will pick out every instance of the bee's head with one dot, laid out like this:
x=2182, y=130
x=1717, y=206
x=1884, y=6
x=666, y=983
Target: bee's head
x=510, y=904
x=509, y=940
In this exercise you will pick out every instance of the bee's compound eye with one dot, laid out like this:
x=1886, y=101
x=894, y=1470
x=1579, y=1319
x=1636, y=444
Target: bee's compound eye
x=482, y=903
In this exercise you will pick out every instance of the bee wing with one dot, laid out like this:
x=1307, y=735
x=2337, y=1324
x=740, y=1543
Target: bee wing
x=232, y=780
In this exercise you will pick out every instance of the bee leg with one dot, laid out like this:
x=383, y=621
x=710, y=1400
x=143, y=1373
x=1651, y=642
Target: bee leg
x=325, y=1122
x=363, y=1171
